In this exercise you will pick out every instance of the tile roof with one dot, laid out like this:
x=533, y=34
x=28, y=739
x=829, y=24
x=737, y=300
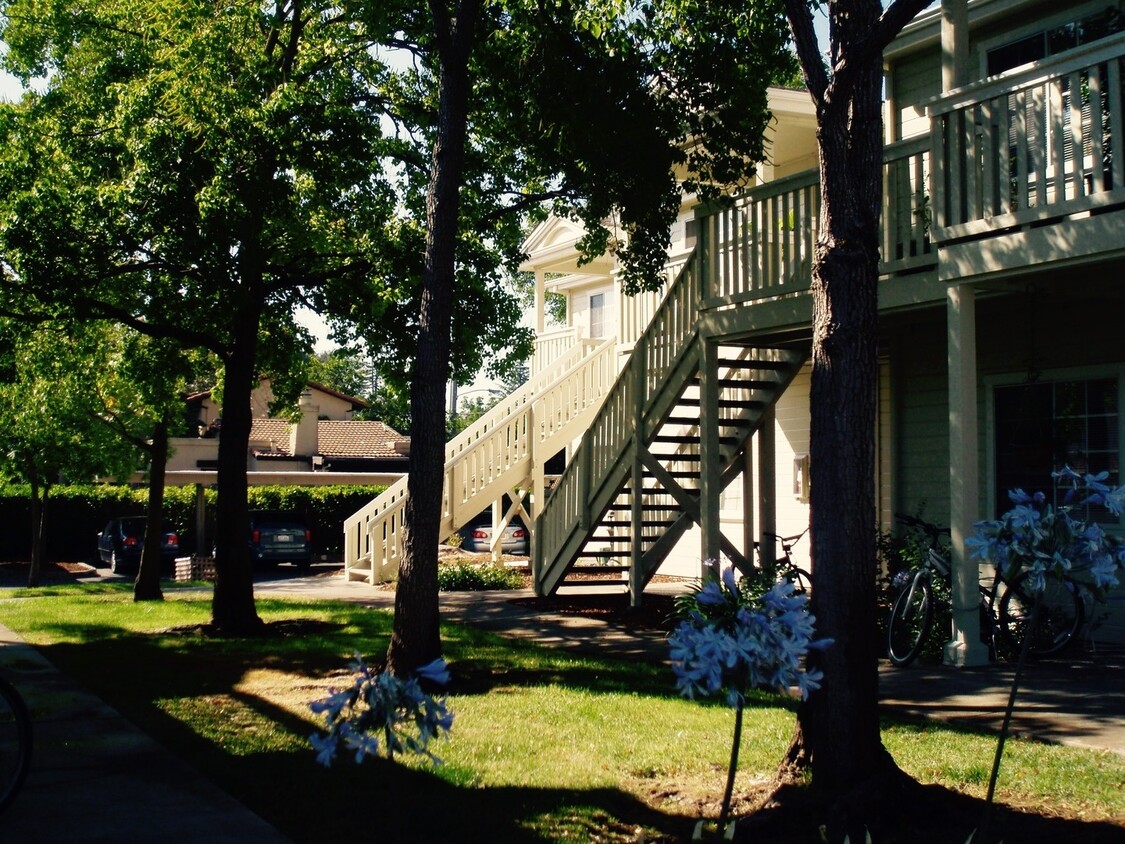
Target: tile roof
x=274, y=431
x=359, y=439
x=335, y=438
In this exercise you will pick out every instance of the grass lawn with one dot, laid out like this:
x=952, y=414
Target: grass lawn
x=546, y=746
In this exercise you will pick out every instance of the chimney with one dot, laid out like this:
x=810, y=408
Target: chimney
x=303, y=440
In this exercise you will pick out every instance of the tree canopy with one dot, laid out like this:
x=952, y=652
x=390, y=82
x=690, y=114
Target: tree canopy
x=51, y=418
x=196, y=172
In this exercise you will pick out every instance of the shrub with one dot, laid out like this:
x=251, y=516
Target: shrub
x=466, y=577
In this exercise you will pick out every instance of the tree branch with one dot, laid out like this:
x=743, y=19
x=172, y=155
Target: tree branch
x=871, y=45
x=525, y=201
x=296, y=29
x=159, y=330
x=895, y=17
x=808, y=48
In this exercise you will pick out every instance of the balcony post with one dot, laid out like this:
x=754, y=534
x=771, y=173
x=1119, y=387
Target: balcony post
x=955, y=70
x=537, y=365
x=965, y=648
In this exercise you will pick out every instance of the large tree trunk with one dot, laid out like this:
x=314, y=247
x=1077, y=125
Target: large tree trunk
x=838, y=727
x=842, y=720
x=232, y=610
x=147, y=585
x=416, y=637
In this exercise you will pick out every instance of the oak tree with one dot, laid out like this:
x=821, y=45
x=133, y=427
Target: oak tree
x=838, y=727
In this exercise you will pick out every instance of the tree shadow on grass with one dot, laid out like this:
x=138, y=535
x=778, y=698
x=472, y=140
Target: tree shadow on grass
x=375, y=800
x=921, y=814
x=383, y=801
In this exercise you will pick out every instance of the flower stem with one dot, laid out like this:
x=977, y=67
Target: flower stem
x=725, y=810
x=1024, y=649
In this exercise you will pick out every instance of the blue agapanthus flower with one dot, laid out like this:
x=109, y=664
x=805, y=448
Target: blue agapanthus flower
x=1039, y=538
x=383, y=714
x=731, y=646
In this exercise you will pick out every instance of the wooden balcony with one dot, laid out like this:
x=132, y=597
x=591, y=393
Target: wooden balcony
x=1033, y=161
x=1019, y=171
x=760, y=246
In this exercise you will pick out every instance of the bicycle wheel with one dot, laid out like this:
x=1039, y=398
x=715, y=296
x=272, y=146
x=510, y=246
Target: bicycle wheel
x=910, y=620
x=15, y=742
x=802, y=584
x=1060, y=614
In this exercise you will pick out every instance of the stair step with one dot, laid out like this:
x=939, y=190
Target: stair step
x=740, y=383
x=723, y=423
x=627, y=523
x=591, y=581
x=693, y=458
x=739, y=403
x=687, y=439
x=644, y=507
x=745, y=363
x=604, y=553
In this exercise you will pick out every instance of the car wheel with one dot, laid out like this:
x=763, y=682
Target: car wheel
x=113, y=564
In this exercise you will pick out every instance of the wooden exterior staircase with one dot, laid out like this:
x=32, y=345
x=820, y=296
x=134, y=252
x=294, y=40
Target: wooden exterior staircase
x=501, y=453
x=670, y=435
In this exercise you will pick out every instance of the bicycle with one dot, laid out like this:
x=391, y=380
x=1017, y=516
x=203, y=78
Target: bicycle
x=1007, y=619
x=15, y=742
x=784, y=567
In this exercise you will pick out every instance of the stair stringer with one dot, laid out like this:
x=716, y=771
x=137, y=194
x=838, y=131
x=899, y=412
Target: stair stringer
x=655, y=555
x=661, y=356
x=780, y=367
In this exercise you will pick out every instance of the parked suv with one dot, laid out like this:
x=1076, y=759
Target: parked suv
x=280, y=537
x=121, y=541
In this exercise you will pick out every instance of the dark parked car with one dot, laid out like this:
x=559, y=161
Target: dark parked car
x=477, y=537
x=121, y=541
x=280, y=537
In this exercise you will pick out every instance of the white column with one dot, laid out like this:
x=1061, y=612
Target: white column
x=767, y=486
x=955, y=70
x=965, y=647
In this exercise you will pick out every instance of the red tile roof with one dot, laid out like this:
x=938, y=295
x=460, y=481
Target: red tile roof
x=360, y=439
x=335, y=438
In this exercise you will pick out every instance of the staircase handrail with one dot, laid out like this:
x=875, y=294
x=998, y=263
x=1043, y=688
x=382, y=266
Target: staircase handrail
x=384, y=513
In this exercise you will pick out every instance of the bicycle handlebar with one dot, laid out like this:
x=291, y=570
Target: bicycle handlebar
x=786, y=540
x=931, y=529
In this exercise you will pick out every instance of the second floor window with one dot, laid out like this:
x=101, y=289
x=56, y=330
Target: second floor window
x=597, y=315
x=1050, y=42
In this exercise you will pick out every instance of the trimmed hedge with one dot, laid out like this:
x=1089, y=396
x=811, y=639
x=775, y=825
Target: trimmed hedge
x=76, y=515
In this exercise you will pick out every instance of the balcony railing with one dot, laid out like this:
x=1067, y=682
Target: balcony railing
x=1032, y=145
x=761, y=245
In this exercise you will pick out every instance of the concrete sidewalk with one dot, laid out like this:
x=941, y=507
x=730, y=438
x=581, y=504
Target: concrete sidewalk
x=96, y=778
